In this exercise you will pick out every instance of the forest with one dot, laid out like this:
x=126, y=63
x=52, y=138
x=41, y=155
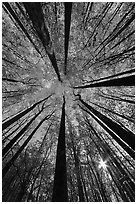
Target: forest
x=68, y=101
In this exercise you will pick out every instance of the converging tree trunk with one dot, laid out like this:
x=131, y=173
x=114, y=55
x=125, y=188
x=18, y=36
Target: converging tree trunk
x=35, y=13
x=68, y=8
x=77, y=168
x=123, y=81
x=68, y=85
x=22, y=131
x=124, y=138
x=10, y=163
x=60, y=193
x=20, y=115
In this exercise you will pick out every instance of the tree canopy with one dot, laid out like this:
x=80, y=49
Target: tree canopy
x=68, y=101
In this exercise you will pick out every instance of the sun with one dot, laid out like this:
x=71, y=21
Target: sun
x=102, y=164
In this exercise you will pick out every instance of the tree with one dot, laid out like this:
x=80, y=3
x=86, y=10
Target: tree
x=60, y=179
x=68, y=90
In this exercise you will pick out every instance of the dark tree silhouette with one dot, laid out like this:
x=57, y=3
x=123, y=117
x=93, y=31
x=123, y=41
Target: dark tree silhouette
x=68, y=8
x=8, y=165
x=74, y=61
x=20, y=115
x=123, y=137
x=60, y=178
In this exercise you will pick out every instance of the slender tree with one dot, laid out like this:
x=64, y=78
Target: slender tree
x=115, y=113
x=78, y=172
x=123, y=81
x=60, y=193
x=117, y=98
x=91, y=157
x=20, y=115
x=68, y=8
x=113, y=76
x=22, y=131
x=35, y=13
x=10, y=163
x=13, y=14
x=119, y=134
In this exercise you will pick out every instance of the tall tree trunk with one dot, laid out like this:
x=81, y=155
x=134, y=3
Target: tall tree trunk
x=113, y=76
x=103, y=14
x=115, y=31
x=115, y=113
x=35, y=13
x=10, y=163
x=107, y=150
x=12, y=141
x=34, y=181
x=20, y=115
x=122, y=194
x=116, y=163
x=60, y=193
x=24, y=185
x=14, y=16
x=123, y=81
x=68, y=8
x=117, y=98
x=125, y=139
x=5, y=139
x=78, y=172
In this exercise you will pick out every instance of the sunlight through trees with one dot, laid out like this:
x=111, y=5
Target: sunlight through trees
x=68, y=101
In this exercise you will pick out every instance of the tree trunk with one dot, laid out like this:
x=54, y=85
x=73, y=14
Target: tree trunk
x=35, y=13
x=115, y=113
x=60, y=193
x=14, y=16
x=119, y=134
x=68, y=8
x=123, y=81
x=113, y=76
x=20, y=115
x=78, y=172
x=9, y=164
x=11, y=143
x=117, y=98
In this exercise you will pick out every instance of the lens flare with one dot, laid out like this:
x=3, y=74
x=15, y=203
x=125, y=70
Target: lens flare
x=102, y=164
